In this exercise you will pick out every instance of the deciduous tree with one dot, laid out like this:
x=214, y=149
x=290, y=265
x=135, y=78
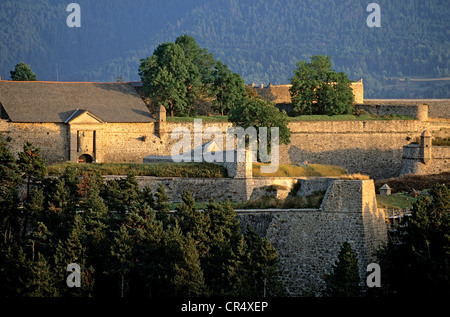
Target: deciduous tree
x=319, y=89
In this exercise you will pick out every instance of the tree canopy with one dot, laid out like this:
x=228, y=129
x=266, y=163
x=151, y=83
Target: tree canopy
x=125, y=240
x=23, y=72
x=420, y=264
x=319, y=89
x=179, y=75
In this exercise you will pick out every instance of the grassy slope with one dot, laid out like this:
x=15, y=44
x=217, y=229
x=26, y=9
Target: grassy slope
x=309, y=170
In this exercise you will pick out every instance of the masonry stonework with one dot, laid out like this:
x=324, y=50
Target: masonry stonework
x=308, y=241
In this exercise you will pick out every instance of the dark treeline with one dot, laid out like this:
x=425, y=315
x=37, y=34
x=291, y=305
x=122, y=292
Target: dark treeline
x=260, y=40
x=125, y=239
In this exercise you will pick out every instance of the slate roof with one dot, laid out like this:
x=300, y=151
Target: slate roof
x=40, y=101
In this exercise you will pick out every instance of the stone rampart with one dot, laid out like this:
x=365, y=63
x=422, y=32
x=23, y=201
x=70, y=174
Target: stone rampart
x=369, y=147
x=308, y=241
x=419, y=112
x=234, y=189
x=413, y=162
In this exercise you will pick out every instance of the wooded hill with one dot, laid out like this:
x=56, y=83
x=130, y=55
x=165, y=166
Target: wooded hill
x=260, y=40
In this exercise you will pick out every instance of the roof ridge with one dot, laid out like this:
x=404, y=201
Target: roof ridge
x=67, y=82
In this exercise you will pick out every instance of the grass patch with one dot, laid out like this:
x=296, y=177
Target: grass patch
x=342, y=117
x=289, y=170
x=291, y=202
x=438, y=141
x=216, y=118
x=348, y=117
x=406, y=183
x=200, y=170
x=396, y=201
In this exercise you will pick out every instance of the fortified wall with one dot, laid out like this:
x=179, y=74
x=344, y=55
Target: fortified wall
x=308, y=241
x=373, y=147
x=424, y=158
x=368, y=147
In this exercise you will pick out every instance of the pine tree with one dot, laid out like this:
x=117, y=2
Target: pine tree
x=10, y=177
x=188, y=279
x=225, y=239
x=193, y=222
x=344, y=279
x=32, y=165
x=121, y=257
x=14, y=273
x=42, y=280
x=9, y=170
x=22, y=72
x=161, y=205
x=263, y=265
x=73, y=250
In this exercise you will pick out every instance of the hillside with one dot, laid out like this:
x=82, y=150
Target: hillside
x=260, y=40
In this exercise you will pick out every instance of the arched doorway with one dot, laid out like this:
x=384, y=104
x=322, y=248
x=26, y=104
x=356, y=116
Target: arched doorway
x=85, y=158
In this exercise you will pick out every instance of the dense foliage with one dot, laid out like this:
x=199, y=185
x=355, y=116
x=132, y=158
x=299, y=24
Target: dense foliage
x=420, y=263
x=344, y=279
x=179, y=75
x=260, y=40
x=22, y=72
x=254, y=112
x=319, y=89
x=125, y=239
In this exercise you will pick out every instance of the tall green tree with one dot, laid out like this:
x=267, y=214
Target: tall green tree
x=23, y=72
x=10, y=176
x=73, y=250
x=14, y=272
x=121, y=257
x=31, y=164
x=344, y=280
x=319, y=89
x=228, y=88
x=193, y=222
x=258, y=113
x=188, y=279
x=42, y=281
x=164, y=76
x=199, y=69
x=263, y=271
x=9, y=171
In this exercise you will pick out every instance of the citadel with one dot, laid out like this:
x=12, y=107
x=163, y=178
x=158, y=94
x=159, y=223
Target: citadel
x=109, y=122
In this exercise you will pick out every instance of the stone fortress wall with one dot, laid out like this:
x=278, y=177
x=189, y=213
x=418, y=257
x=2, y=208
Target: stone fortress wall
x=308, y=241
x=372, y=147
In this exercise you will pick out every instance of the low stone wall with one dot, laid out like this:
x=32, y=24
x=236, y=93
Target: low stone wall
x=234, y=189
x=437, y=108
x=419, y=112
x=412, y=162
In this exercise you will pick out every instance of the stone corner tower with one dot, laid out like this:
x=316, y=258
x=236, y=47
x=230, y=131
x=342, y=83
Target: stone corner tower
x=425, y=147
x=160, y=124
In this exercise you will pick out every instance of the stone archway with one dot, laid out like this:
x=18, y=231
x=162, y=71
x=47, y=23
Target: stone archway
x=85, y=158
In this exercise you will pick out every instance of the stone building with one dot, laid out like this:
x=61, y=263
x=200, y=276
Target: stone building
x=73, y=121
